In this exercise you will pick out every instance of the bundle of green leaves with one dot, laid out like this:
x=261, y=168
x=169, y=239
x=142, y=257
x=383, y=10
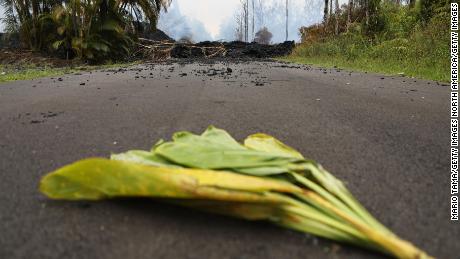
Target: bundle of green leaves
x=262, y=179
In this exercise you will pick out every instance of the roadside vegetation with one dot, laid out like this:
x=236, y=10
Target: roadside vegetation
x=12, y=74
x=389, y=36
x=58, y=37
x=93, y=31
x=32, y=71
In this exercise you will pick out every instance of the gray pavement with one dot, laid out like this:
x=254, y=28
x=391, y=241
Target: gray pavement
x=386, y=137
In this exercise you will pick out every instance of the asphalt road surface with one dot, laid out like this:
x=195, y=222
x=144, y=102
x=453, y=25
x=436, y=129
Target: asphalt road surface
x=386, y=137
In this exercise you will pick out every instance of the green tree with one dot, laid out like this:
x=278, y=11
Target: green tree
x=428, y=8
x=89, y=29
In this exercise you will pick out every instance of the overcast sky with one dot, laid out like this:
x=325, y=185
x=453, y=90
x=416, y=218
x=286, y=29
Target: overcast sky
x=215, y=19
x=212, y=13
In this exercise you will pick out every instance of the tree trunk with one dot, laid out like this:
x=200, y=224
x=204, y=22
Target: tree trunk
x=367, y=11
x=24, y=17
x=242, y=30
x=287, y=19
x=246, y=21
x=326, y=11
x=337, y=13
x=330, y=7
x=350, y=10
x=36, y=33
x=253, y=20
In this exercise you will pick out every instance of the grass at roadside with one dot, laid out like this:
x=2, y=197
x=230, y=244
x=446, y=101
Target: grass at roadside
x=400, y=39
x=423, y=54
x=13, y=73
x=423, y=69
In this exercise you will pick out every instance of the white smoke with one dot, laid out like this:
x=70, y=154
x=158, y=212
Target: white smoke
x=269, y=13
x=178, y=26
x=272, y=14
